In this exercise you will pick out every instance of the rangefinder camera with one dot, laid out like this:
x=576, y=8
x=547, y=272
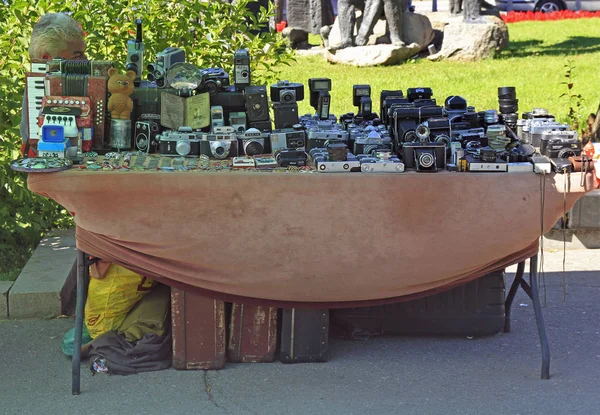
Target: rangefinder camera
x=182, y=142
x=288, y=138
x=560, y=144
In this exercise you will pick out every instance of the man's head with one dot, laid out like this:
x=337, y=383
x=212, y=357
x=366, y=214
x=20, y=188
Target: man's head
x=57, y=35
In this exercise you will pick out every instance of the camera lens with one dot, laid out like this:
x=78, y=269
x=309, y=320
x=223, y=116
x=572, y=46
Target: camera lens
x=426, y=160
x=422, y=132
x=183, y=148
x=410, y=136
x=132, y=66
x=565, y=153
x=287, y=96
x=211, y=87
x=219, y=150
x=508, y=92
x=253, y=147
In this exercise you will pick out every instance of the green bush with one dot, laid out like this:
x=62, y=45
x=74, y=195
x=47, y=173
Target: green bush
x=208, y=31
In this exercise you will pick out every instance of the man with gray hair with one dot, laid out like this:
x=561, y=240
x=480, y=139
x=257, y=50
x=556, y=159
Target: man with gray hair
x=55, y=35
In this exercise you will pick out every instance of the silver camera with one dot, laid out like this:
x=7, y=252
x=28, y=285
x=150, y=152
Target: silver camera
x=178, y=143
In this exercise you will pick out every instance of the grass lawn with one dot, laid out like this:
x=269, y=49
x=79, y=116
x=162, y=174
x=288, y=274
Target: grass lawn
x=534, y=63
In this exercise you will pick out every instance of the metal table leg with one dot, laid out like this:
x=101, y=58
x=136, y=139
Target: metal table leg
x=511, y=295
x=532, y=292
x=539, y=317
x=83, y=276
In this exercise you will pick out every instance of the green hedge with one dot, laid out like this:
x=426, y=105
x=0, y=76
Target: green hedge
x=208, y=31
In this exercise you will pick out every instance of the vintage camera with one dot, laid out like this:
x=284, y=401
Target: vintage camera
x=252, y=142
x=135, y=54
x=241, y=69
x=320, y=99
x=285, y=96
x=361, y=98
x=215, y=80
x=560, y=144
x=380, y=161
x=533, y=130
x=290, y=138
x=164, y=60
x=217, y=118
x=414, y=94
x=221, y=143
x=145, y=136
x=182, y=142
x=257, y=104
x=230, y=99
x=316, y=138
x=406, y=117
x=455, y=106
x=237, y=120
x=370, y=142
x=287, y=92
x=424, y=157
x=219, y=149
x=464, y=137
x=291, y=157
x=386, y=102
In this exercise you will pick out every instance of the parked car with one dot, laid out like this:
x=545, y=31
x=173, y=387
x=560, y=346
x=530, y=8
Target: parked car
x=548, y=6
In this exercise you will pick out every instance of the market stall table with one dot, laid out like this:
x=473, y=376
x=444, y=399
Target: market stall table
x=310, y=239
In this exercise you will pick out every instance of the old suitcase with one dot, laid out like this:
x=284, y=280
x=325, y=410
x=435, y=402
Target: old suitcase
x=198, y=331
x=473, y=309
x=304, y=335
x=252, y=333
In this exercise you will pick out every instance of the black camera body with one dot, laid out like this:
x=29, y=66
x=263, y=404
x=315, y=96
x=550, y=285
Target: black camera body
x=287, y=92
x=414, y=94
x=145, y=136
x=286, y=115
x=215, y=80
x=291, y=157
x=257, y=104
x=425, y=157
x=560, y=144
x=230, y=99
x=135, y=54
x=386, y=100
x=406, y=117
x=241, y=69
x=320, y=99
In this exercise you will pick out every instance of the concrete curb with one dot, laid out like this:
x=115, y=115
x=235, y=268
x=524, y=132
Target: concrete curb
x=36, y=292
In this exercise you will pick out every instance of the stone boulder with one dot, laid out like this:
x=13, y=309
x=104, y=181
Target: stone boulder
x=416, y=29
x=473, y=40
x=372, y=55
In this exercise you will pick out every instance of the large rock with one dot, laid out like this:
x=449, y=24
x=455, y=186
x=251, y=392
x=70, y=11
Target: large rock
x=473, y=41
x=373, y=55
x=416, y=29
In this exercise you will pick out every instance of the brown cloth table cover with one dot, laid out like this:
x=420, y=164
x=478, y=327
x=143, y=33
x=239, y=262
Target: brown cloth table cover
x=329, y=239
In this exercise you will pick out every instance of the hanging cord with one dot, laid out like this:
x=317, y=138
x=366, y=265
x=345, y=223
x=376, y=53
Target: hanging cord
x=542, y=279
x=564, y=226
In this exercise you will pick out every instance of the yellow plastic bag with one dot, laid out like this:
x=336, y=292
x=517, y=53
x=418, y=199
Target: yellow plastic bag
x=110, y=298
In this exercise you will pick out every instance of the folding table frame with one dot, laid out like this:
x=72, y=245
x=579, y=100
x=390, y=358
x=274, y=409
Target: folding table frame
x=531, y=289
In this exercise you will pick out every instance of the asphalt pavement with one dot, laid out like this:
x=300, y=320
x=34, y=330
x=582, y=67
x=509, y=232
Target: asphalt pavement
x=499, y=374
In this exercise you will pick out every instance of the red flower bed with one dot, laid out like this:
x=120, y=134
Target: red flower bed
x=513, y=17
